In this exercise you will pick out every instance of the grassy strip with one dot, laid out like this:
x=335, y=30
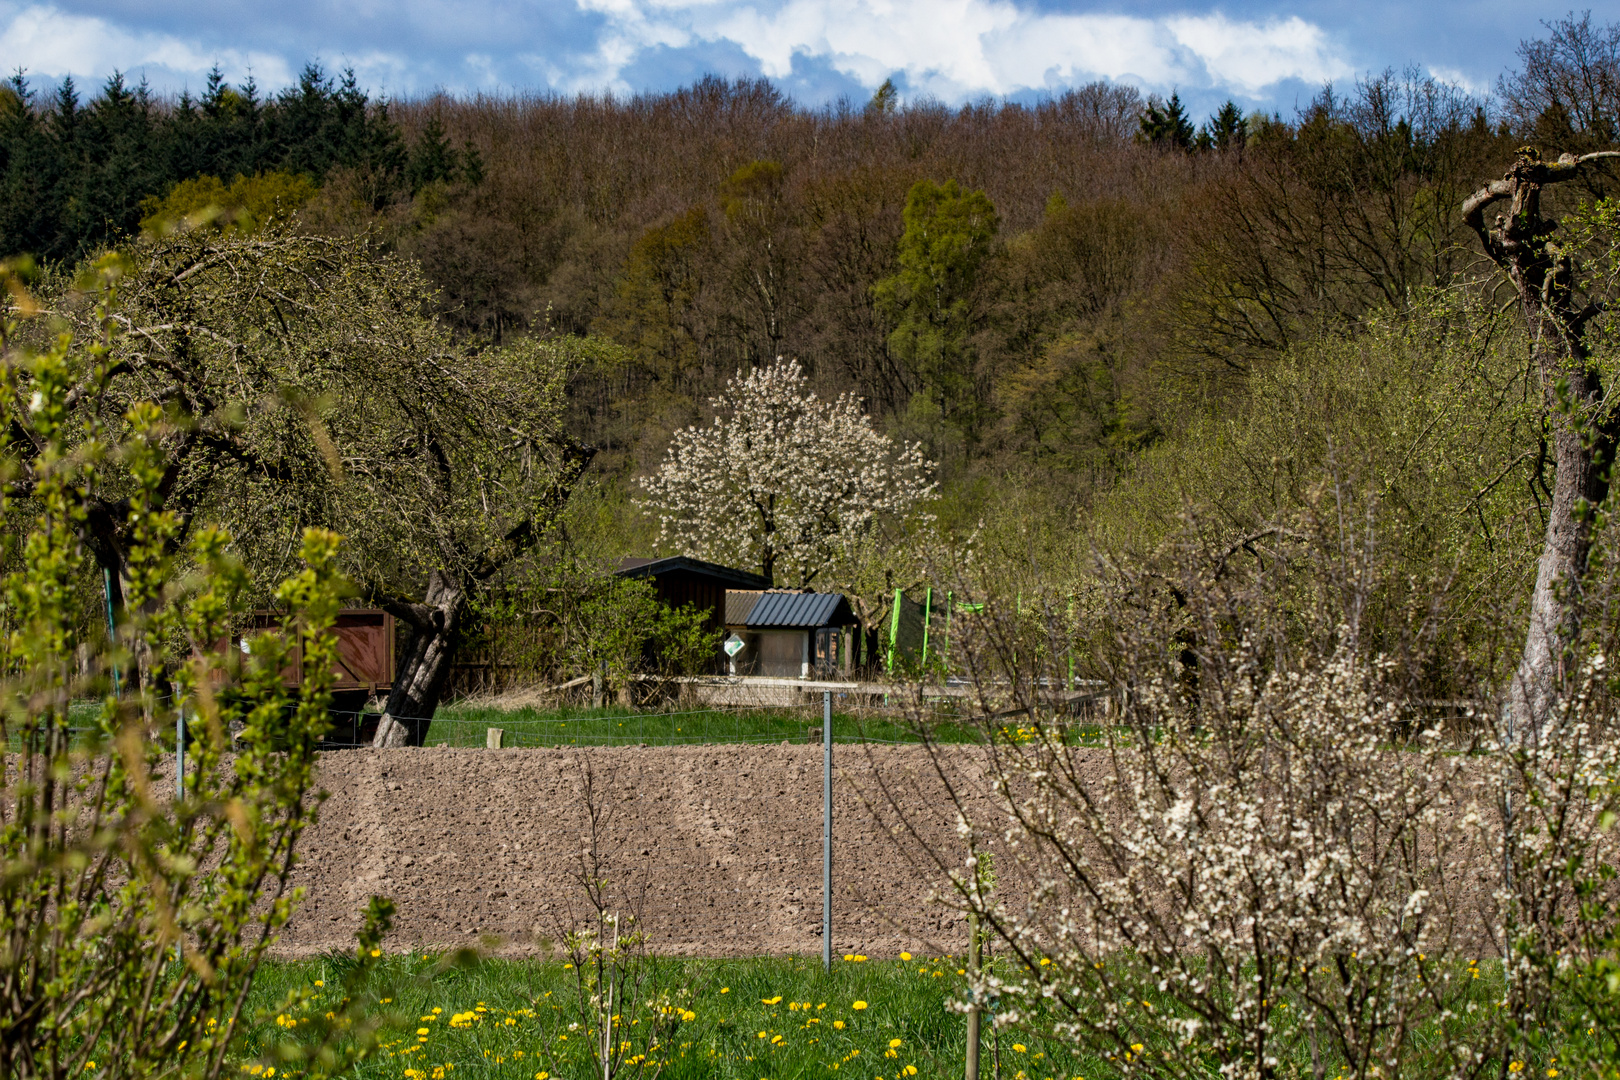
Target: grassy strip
x=752, y=1018
x=748, y=1019
x=465, y=725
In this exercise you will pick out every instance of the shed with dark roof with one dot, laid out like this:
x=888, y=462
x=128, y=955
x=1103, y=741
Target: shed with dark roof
x=681, y=580
x=789, y=634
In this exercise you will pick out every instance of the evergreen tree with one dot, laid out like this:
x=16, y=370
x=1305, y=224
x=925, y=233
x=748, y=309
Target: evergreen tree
x=30, y=166
x=433, y=160
x=1228, y=129
x=74, y=176
x=1166, y=124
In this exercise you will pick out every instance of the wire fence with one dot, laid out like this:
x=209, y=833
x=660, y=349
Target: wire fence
x=752, y=712
x=465, y=727
x=460, y=726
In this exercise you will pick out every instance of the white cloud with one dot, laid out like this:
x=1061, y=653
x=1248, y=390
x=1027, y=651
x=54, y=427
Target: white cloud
x=1246, y=56
x=54, y=43
x=1458, y=78
x=959, y=48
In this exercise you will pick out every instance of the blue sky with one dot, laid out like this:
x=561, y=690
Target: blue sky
x=1263, y=54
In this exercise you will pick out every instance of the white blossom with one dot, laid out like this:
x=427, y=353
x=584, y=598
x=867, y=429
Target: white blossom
x=782, y=480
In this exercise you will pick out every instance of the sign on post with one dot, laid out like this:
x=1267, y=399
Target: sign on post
x=735, y=645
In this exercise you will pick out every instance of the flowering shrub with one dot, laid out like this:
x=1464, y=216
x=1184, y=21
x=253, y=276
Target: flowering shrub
x=1282, y=848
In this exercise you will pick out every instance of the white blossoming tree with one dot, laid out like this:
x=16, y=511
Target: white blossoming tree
x=783, y=480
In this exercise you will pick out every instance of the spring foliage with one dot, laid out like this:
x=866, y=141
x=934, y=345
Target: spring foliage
x=132, y=922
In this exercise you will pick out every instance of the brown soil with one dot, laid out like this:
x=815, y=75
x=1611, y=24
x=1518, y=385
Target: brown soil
x=718, y=847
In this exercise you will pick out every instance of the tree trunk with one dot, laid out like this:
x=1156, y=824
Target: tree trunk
x=1580, y=483
x=1521, y=243
x=420, y=682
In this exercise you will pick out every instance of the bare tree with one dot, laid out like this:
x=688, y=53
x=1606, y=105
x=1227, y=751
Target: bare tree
x=1583, y=431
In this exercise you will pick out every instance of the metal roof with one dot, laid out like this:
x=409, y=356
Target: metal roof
x=798, y=610
x=654, y=568
x=739, y=602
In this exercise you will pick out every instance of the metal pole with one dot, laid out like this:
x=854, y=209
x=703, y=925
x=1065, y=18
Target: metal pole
x=826, y=830
x=112, y=629
x=179, y=754
x=179, y=795
x=973, y=997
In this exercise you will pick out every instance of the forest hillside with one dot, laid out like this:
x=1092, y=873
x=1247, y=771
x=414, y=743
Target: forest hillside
x=1092, y=312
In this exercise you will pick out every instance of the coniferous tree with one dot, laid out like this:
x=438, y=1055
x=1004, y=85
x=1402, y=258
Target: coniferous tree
x=433, y=160
x=1166, y=125
x=1226, y=130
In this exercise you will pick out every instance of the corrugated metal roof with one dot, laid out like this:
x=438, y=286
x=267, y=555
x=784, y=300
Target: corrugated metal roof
x=796, y=610
x=739, y=602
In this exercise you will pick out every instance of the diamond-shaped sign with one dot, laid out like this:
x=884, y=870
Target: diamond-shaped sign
x=735, y=645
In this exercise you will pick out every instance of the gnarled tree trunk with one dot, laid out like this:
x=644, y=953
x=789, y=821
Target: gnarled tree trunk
x=421, y=679
x=1583, y=437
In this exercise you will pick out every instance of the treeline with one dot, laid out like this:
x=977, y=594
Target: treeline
x=76, y=176
x=1046, y=286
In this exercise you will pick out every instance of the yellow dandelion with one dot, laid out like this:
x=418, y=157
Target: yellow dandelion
x=858, y=1006
x=1019, y=1048
x=838, y=1025
x=905, y=956
x=725, y=989
x=895, y=1044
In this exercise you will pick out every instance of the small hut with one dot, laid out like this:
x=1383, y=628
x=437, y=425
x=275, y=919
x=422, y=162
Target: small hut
x=681, y=580
x=789, y=634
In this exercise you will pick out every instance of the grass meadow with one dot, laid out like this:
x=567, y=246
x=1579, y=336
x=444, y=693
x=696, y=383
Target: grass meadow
x=741, y=1019
x=464, y=724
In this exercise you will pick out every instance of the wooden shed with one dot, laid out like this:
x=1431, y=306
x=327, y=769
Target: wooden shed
x=681, y=580
x=364, y=668
x=790, y=634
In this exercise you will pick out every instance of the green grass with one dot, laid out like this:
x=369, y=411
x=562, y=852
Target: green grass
x=751, y=1019
x=808, y=1019
x=465, y=725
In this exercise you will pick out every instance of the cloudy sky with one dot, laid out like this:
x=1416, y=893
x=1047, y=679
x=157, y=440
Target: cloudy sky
x=1264, y=54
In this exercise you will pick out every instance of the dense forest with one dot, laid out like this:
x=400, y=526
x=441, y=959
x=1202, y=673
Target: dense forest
x=1094, y=294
